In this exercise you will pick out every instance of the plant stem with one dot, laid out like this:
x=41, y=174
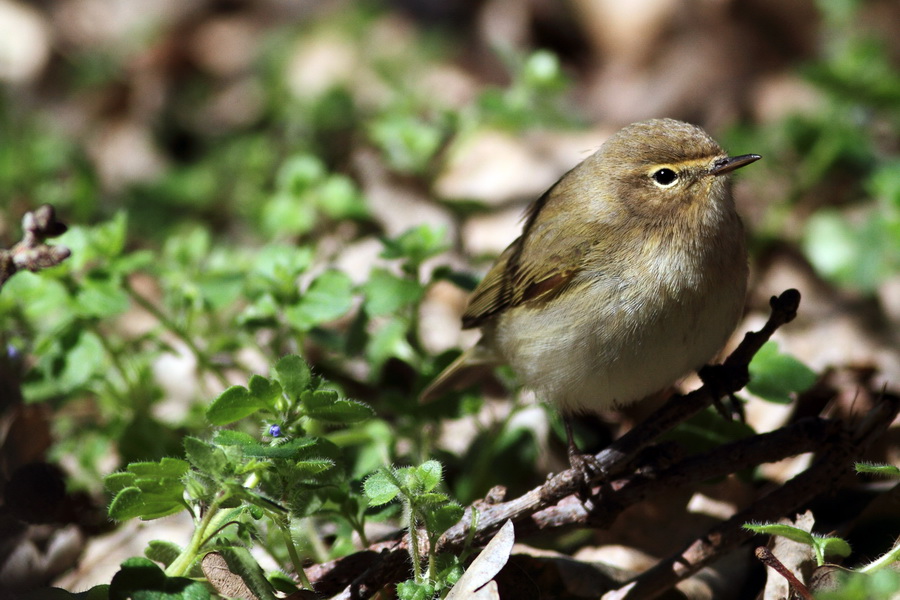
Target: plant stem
x=360, y=529
x=285, y=528
x=315, y=541
x=116, y=360
x=432, y=568
x=414, y=543
x=892, y=556
x=182, y=564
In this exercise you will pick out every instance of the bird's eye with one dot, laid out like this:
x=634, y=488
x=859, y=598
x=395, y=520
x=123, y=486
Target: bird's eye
x=664, y=177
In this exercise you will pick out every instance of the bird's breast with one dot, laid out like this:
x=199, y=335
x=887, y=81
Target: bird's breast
x=617, y=336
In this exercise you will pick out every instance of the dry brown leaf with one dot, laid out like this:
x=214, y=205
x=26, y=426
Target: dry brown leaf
x=485, y=566
x=220, y=576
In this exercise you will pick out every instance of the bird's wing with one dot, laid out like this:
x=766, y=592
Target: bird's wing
x=534, y=268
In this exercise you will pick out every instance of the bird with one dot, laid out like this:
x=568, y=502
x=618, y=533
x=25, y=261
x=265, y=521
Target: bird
x=630, y=272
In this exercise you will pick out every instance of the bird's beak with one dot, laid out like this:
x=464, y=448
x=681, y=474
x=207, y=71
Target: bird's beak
x=730, y=163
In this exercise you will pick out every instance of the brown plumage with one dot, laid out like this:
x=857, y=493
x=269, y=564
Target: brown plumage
x=630, y=271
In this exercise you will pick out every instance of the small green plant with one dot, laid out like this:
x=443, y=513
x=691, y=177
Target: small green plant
x=535, y=97
x=834, y=162
x=238, y=486
x=424, y=508
x=872, y=580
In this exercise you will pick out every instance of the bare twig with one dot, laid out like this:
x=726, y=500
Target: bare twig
x=32, y=253
x=767, y=558
x=807, y=435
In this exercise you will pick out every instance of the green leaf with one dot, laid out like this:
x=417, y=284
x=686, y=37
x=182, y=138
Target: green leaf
x=863, y=586
x=831, y=546
x=884, y=184
x=101, y=297
x=133, y=502
x=407, y=142
x=294, y=375
x=189, y=247
x=299, y=173
x=207, y=458
x=281, y=582
x=167, y=467
x=165, y=487
x=223, y=518
x=443, y=518
x=99, y=243
x=220, y=288
x=291, y=450
x=417, y=244
x=109, y=238
x=260, y=313
x=310, y=467
x=429, y=475
x=133, y=261
x=288, y=214
x=162, y=552
x=542, y=69
x=229, y=437
x=339, y=198
x=410, y=590
x=283, y=262
x=876, y=469
x=148, y=490
x=326, y=406
x=45, y=301
x=787, y=531
x=431, y=499
x=98, y=592
x=831, y=245
x=127, y=504
x=304, y=500
x=84, y=360
x=234, y=404
x=386, y=293
x=264, y=391
x=380, y=489
x=329, y=297
x=142, y=579
x=390, y=341
x=116, y=482
x=707, y=430
x=774, y=377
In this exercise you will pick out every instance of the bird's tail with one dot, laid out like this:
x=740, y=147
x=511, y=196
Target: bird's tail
x=472, y=365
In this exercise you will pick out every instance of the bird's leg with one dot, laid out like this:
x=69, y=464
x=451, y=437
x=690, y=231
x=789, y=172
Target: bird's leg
x=721, y=378
x=585, y=464
x=572, y=448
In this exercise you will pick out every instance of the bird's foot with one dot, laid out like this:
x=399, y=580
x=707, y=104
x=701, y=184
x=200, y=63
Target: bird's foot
x=723, y=381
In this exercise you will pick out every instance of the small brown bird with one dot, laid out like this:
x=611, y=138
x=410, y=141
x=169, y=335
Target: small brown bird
x=630, y=272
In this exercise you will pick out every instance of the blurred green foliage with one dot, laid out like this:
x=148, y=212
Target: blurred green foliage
x=225, y=260
x=835, y=165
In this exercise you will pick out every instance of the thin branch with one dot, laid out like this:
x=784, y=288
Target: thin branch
x=808, y=435
x=32, y=253
x=770, y=560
